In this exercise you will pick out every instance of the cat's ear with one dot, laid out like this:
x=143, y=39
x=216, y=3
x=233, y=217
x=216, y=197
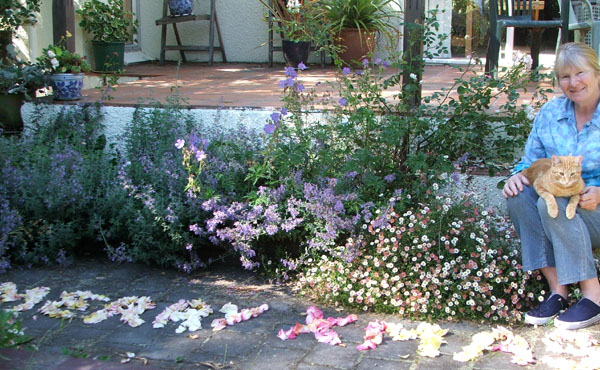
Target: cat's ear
x=555, y=159
x=579, y=159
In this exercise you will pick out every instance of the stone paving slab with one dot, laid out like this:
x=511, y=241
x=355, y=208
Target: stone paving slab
x=252, y=344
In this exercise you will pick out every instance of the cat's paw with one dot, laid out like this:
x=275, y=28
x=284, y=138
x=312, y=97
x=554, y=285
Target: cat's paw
x=571, y=211
x=553, y=210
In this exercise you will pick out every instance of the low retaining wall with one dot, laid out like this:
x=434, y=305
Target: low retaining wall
x=116, y=119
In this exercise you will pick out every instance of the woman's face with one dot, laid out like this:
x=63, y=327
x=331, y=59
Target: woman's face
x=580, y=84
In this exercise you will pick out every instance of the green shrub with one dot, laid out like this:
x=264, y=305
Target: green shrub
x=11, y=333
x=50, y=185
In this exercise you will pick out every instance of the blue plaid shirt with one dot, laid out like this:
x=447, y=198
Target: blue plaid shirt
x=555, y=132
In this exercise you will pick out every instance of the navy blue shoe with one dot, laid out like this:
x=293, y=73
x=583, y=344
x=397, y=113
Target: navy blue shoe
x=583, y=314
x=547, y=310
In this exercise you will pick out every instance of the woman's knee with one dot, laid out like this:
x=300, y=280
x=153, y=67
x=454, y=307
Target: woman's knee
x=526, y=199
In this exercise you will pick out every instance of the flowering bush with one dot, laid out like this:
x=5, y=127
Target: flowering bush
x=159, y=198
x=57, y=59
x=294, y=220
x=51, y=181
x=446, y=258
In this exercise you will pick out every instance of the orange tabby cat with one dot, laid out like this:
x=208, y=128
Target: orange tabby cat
x=557, y=177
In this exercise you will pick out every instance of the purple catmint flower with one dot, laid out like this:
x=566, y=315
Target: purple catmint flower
x=299, y=87
x=179, y=143
x=342, y=102
x=291, y=72
x=346, y=70
x=386, y=63
x=188, y=246
x=365, y=62
x=351, y=174
x=455, y=177
x=288, y=82
x=390, y=178
x=269, y=128
x=301, y=66
x=276, y=117
x=271, y=229
x=194, y=139
x=195, y=229
x=377, y=61
x=284, y=111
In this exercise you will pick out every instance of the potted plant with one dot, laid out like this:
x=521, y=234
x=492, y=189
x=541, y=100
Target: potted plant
x=355, y=25
x=18, y=82
x=300, y=23
x=110, y=26
x=66, y=70
x=13, y=14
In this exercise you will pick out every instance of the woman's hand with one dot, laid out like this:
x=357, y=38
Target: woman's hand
x=514, y=185
x=589, y=198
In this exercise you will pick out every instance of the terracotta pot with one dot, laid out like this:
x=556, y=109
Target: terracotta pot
x=355, y=44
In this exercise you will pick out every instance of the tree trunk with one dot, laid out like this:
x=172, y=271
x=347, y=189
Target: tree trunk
x=413, y=53
x=63, y=20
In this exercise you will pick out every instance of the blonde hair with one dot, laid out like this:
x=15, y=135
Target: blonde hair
x=575, y=54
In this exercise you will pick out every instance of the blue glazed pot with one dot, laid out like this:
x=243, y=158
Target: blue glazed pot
x=67, y=86
x=181, y=7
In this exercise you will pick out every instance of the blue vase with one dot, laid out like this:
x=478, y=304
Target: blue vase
x=181, y=7
x=67, y=86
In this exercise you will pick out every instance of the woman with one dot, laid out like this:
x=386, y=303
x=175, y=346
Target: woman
x=559, y=247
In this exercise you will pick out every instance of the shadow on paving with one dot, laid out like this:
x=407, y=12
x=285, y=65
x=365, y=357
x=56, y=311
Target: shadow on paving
x=252, y=344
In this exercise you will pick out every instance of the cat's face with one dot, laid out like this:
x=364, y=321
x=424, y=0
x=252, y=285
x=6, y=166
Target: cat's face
x=566, y=170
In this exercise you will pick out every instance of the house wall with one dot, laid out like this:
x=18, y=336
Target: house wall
x=242, y=22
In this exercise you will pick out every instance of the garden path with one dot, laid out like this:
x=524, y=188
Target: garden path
x=238, y=85
x=251, y=344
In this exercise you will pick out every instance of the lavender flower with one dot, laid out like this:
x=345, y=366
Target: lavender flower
x=390, y=178
x=276, y=117
x=346, y=70
x=269, y=128
x=301, y=66
x=342, y=102
x=291, y=72
x=288, y=82
x=179, y=143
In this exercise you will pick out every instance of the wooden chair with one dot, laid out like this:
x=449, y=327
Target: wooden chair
x=214, y=25
x=519, y=14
